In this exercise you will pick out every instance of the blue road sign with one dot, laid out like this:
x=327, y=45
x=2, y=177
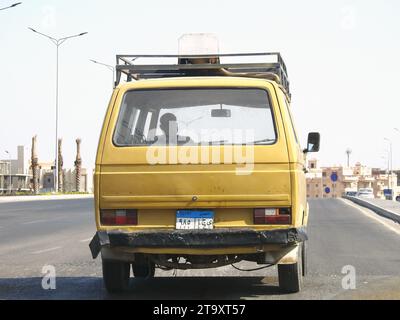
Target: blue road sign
x=334, y=177
x=387, y=192
x=327, y=190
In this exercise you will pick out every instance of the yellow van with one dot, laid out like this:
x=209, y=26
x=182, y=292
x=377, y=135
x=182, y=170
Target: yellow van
x=199, y=166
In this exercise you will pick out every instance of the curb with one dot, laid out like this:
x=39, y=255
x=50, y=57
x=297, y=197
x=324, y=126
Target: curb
x=379, y=210
x=11, y=199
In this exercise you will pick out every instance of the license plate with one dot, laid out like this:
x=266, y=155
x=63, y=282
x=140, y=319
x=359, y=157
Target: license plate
x=194, y=220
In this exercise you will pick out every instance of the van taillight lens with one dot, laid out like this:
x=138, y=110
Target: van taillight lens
x=118, y=217
x=272, y=216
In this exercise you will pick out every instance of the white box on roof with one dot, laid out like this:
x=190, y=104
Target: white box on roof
x=198, y=43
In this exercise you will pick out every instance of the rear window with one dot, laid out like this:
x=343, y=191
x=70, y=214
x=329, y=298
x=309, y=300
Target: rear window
x=195, y=117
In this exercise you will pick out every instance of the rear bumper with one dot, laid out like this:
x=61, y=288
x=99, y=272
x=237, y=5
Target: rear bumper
x=215, y=238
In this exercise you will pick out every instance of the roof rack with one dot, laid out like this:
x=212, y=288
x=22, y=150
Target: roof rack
x=203, y=65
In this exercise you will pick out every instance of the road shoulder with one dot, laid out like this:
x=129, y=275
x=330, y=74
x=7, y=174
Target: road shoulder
x=387, y=223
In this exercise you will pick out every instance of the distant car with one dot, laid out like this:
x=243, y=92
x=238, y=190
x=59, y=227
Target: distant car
x=351, y=193
x=366, y=193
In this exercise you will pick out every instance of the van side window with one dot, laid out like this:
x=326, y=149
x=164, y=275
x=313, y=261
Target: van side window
x=147, y=124
x=129, y=118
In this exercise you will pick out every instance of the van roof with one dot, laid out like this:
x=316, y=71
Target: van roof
x=217, y=81
x=273, y=68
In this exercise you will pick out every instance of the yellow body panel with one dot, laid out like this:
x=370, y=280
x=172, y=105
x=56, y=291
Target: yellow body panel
x=124, y=179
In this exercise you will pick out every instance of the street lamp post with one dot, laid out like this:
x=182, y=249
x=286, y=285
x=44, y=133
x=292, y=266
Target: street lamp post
x=348, y=153
x=385, y=158
x=398, y=131
x=57, y=43
x=390, y=165
x=9, y=172
x=12, y=6
x=109, y=67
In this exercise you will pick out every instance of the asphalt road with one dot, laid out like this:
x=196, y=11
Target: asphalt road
x=57, y=233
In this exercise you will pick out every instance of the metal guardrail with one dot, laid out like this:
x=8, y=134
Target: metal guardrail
x=379, y=210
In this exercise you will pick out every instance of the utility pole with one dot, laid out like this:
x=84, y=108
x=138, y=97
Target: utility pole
x=390, y=167
x=395, y=195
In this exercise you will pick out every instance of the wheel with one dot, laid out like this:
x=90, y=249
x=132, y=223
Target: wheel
x=291, y=275
x=304, y=260
x=116, y=276
x=145, y=269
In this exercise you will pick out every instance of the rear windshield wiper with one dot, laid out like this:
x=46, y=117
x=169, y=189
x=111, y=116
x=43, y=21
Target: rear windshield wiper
x=262, y=141
x=221, y=142
x=214, y=142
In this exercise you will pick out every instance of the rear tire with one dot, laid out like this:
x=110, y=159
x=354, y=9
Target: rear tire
x=291, y=275
x=143, y=269
x=116, y=276
x=304, y=259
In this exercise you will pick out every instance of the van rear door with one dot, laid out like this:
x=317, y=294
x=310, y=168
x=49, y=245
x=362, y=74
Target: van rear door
x=224, y=146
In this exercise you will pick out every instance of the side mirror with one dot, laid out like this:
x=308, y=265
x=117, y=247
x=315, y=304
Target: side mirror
x=312, y=142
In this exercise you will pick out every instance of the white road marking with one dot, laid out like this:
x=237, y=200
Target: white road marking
x=85, y=240
x=34, y=221
x=366, y=212
x=46, y=250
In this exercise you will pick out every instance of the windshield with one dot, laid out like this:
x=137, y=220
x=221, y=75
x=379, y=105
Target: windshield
x=195, y=116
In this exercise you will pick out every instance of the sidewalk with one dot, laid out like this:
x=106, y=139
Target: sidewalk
x=386, y=208
x=386, y=204
x=8, y=199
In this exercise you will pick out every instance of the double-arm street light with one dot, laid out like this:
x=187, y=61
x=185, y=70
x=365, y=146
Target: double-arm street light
x=109, y=67
x=12, y=6
x=57, y=43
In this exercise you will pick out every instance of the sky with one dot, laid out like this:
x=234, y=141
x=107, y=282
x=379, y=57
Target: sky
x=342, y=59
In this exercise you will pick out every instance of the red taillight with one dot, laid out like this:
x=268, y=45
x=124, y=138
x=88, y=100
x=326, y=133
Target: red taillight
x=272, y=216
x=107, y=217
x=119, y=217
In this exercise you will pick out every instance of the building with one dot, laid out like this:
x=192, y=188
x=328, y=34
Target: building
x=333, y=182
x=46, y=180
x=382, y=180
x=16, y=171
x=70, y=180
x=325, y=182
x=20, y=172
